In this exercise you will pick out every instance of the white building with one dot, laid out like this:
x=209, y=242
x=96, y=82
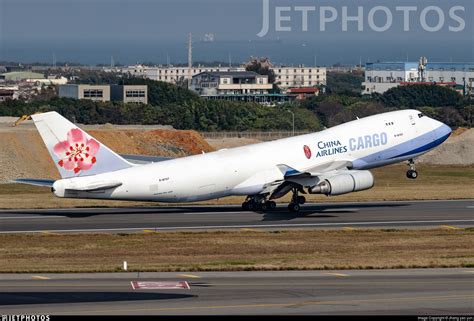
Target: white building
x=230, y=83
x=173, y=75
x=129, y=93
x=126, y=93
x=243, y=86
x=380, y=77
x=52, y=80
x=286, y=77
x=298, y=77
x=91, y=92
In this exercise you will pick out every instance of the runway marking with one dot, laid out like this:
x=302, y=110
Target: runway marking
x=349, y=228
x=243, y=226
x=470, y=271
x=192, y=276
x=449, y=227
x=469, y=206
x=249, y=230
x=291, y=304
x=337, y=274
x=336, y=210
x=149, y=231
x=157, y=285
x=49, y=233
x=29, y=217
x=39, y=277
x=277, y=285
x=216, y=213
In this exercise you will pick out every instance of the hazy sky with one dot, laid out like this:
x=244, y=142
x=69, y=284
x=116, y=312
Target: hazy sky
x=132, y=31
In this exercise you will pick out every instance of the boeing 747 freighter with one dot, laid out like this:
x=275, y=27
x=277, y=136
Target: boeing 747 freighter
x=334, y=161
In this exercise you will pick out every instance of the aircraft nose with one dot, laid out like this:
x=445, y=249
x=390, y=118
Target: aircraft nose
x=444, y=130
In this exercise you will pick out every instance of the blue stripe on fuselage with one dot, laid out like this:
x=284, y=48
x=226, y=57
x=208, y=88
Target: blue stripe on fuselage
x=426, y=147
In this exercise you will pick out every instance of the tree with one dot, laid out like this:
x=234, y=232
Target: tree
x=413, y=96
x=262, y=66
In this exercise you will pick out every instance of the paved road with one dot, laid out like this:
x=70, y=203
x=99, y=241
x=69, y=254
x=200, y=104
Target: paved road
x=417, y=291
x=332, y=215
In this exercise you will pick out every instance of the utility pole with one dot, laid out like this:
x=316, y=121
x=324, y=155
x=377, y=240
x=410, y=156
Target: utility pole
x=190, y=59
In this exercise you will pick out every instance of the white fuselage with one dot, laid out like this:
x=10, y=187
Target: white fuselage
x=367, y=143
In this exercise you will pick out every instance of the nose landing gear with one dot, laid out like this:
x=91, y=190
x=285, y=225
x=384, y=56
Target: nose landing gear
x=412, y=173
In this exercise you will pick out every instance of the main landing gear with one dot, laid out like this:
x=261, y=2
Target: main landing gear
x=258, y=203
x=412, y=173
x=296, y=201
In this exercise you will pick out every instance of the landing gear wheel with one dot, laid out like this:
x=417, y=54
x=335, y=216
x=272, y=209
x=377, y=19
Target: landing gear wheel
x=301, y=200
x=271, y=205
x=295, y=208
x=263, y=207
x=251, y=206
x=412, y=174
x=245, y=206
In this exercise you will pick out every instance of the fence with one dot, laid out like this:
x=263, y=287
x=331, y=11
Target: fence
x=265, y=136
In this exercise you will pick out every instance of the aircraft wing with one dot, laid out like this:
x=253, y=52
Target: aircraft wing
x=293, y=178
x=289, y=172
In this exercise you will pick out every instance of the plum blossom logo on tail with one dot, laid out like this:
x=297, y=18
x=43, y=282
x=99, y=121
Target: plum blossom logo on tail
x=77, y=153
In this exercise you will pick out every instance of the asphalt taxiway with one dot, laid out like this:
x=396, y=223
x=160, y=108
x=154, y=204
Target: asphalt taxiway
x=417, y=214
x=415, y=292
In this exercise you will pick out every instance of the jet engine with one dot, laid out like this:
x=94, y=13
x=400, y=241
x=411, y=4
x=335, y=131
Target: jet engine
x=352, y=181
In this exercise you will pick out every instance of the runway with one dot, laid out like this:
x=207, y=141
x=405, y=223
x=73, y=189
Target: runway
x=416, y=214
x=417, y=291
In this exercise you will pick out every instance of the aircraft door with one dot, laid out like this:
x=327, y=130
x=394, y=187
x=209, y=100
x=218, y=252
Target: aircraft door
x=413, y=127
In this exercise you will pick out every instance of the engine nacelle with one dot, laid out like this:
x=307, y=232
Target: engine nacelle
x=353, y=181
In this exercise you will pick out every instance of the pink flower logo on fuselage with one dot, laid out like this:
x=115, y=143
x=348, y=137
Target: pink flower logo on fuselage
x=307, y=151
x=77, y=153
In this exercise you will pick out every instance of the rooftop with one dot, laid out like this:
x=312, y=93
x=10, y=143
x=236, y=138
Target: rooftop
x=304, y=90
x=461, y=66
x=233, y=74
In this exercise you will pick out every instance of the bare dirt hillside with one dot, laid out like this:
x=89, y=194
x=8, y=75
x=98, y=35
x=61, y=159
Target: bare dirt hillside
x=23, y=154
x=230, y=142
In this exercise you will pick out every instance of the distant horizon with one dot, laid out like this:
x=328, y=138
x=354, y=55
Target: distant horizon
x=203, y=63
x=91, y=32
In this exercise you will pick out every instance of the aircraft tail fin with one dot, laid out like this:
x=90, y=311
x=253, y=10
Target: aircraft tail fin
x=74, y=152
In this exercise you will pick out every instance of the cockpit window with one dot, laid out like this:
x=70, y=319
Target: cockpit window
x=421, y=115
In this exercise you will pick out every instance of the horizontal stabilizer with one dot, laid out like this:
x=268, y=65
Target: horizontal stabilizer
x=98, y=186
x=35, y=182
x=144, y=159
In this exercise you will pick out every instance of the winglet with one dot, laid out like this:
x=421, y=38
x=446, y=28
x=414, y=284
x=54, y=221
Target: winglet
x=288, y=171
